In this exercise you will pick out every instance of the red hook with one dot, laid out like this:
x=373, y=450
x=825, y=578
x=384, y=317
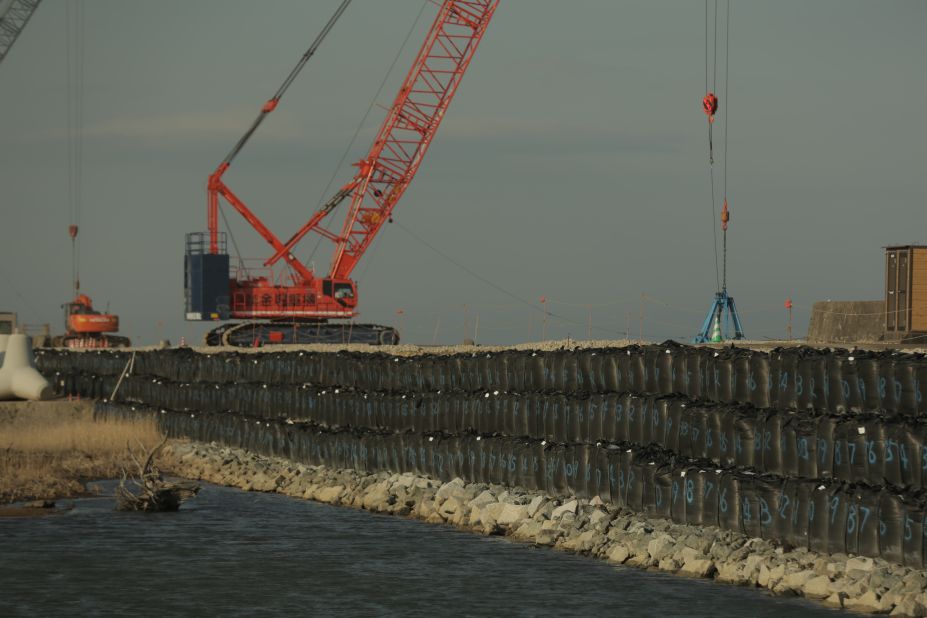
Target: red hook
x=710, y=106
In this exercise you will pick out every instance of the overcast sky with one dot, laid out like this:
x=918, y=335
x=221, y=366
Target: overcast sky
x=572, y=163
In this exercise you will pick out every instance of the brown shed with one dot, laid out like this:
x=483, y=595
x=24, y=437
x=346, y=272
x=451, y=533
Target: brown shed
x=905, y=291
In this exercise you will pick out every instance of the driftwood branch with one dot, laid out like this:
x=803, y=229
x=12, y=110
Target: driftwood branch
x=151, y=492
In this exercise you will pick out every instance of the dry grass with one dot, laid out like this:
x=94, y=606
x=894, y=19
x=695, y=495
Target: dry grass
x=50, y=455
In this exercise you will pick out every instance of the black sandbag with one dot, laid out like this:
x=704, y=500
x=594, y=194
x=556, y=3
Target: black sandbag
x=711, y=492
x=748, y=432
x=680, y=373
x=787, y=514
x=885, y=372
x=693, y=377
x=696, y=425
x=869, y=381
x=693, y=490
x=749, y=506
x=819, y=516
x=658, y=497
x=612, y=373
x=651, y=355
x=880, y=453
x=891, y=528
x=635, y=485
x=603, y=474
x=658, y=415
x=710, y=375
x=596, y=418
x=621, y=429
x=920, y=386
x=759, y=381
x=912, y=454
x=837, y=508
x=555, y=460
x=905, y=385
x=914, y=533
x=522, y=418
x=645, y=421
x=635, y=370
x=619, y=465
x=816, y=381
x=729, y=501
x=678, y=496
x=775, y=448
x=787, y=362
x=772, y=380
x=802, y=432
x=534, y=414
x=802, y=508
x=585, y=380
x=683, y=434
x=826, y=428
x=714, y=433
x=588, y=464
x=573, y=420
x=741, y=378
x=769, y=500
x=724, y=377
x=664, y=368
x=674, y=414
x=724, y=420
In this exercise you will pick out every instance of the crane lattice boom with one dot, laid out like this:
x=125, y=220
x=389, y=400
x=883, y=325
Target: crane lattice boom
x=13, y=18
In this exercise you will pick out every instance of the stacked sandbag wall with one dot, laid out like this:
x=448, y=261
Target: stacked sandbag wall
x=817, y=449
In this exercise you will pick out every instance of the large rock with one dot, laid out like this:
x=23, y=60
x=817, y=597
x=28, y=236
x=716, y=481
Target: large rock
x=512, y=513
x=662, y=546
x=698, y=567
x=453, y=488
x=330, y=495
x=819, y=587
x=868, y=602
x=619, y=553
x=560, y=511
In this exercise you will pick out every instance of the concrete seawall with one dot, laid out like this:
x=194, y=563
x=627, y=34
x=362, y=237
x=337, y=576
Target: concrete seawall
x=567, y=523
x=860, y=321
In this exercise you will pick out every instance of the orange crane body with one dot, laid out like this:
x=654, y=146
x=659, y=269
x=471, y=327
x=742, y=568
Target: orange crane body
x=295, y=292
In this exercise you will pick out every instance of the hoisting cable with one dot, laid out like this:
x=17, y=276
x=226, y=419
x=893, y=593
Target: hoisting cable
x=710, y=107
x=725, y=213
x=74, y=55
x=271, y=103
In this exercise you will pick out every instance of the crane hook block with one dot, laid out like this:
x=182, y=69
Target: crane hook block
x=72, y=231
x=710, y=106
x=725, y=216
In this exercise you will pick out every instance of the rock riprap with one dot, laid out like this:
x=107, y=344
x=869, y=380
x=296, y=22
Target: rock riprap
x=584, y=526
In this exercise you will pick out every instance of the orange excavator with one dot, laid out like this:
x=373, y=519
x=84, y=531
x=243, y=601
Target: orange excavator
x=84, y=326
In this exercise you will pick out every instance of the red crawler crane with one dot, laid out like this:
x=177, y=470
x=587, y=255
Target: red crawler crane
x=298, y=302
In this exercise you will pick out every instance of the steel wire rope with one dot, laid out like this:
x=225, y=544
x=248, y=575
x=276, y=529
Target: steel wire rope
x=727, y=104
x=711, y=172
x=363, y=120
x=74, y=61
x=493, y=285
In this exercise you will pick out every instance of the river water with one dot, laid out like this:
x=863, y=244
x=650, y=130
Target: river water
x=233, y=553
